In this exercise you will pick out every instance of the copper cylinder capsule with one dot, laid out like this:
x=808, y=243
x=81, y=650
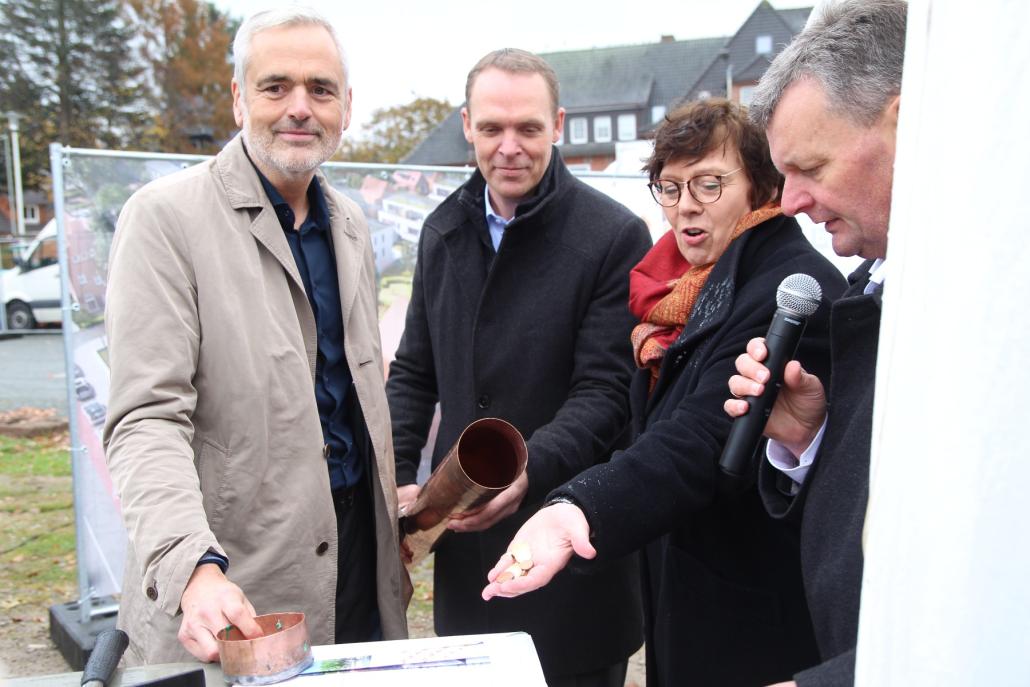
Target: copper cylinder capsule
x=282, y=651
x=486, y=459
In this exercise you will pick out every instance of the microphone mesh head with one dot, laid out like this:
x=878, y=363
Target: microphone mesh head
x=799, y=294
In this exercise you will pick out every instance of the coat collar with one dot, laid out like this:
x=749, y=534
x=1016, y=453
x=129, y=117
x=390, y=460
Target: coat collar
x=712, y=308
x=545, y=198
x=857, y=282
x=715, y=302
x=244, y=192
x=243, y=187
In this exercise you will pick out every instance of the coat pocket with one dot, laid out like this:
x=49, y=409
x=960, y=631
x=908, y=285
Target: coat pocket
x=213, y=470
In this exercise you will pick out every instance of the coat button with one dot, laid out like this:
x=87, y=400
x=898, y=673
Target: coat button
x=322, y=548
x=152, y=593
x=484, y=401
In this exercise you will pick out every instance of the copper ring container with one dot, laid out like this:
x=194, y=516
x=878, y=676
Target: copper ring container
x=282, y=650
x=485, y=460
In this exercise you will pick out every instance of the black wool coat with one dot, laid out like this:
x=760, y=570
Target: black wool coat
x=537, y=335
x=831, y=504
x=722, y=586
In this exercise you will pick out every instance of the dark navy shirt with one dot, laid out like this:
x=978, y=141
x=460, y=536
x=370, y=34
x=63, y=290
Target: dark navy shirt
x=312, y=247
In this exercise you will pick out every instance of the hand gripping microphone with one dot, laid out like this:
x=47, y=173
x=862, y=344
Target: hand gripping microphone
x=797, y=298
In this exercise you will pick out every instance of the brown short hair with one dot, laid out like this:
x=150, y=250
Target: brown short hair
x=692, y=131
x=515, y=61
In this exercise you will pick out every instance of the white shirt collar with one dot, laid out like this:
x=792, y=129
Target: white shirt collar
x=877, y=275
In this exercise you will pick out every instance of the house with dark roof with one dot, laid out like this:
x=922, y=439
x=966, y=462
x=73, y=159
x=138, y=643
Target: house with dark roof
x=746, y=55
x=619, y=94
x=39, y=210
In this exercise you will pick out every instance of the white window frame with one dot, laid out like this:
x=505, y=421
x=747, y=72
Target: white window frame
x=627, y=127
x=657, y=113
x=578, y=130
x=764, y=41
x=603, y=128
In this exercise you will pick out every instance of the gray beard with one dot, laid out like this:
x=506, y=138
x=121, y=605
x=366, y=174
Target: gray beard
x=263, y=148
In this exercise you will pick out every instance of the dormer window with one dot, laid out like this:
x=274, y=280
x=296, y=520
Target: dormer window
x=578, y=130
x=627, y=127
x=764, y=45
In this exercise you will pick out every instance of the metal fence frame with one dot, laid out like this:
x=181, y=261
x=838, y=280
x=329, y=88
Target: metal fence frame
x=60, y=158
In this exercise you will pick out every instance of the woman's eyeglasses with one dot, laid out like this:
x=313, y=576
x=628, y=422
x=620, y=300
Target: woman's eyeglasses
x=704, y=188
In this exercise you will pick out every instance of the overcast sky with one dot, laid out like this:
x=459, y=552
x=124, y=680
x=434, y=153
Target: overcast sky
x=400, y=49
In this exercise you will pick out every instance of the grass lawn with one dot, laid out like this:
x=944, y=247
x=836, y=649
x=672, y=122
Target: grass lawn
x=37, y=550
x=37, y=542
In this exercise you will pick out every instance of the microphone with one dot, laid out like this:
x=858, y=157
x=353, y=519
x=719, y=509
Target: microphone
x=797, y=298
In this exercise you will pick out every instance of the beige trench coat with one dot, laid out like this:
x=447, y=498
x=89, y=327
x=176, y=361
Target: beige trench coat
x=213, y=438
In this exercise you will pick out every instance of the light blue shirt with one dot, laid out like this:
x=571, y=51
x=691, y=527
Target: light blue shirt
x=494, y=222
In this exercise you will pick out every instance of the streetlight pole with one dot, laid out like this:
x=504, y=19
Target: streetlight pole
x=19, y=199
x=10, y=184
x=10, y=205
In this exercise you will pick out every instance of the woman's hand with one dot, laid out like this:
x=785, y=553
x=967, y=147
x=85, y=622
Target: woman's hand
x=549, y=539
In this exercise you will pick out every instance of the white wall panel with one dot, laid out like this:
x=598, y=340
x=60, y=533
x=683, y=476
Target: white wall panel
x=946, y=595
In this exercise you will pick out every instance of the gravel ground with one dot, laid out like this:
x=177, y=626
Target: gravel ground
x=32, y=372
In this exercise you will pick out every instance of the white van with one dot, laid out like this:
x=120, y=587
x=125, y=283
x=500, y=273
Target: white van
x=32, y=288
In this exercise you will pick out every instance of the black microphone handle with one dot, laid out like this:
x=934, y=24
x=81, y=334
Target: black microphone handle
x=781, y=342
x=103, y=660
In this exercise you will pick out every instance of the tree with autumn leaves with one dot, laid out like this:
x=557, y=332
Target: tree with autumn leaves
x=393, y=132
x=122, y=74
x=149, y=75
x=187, y=47
x=66, y=67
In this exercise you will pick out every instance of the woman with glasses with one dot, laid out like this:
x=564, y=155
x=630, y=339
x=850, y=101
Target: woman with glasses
x=722, y=586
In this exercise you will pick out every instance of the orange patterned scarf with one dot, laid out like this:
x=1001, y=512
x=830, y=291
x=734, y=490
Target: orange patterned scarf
x=663, y=288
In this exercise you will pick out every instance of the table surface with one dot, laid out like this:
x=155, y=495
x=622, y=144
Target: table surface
x=513, y=660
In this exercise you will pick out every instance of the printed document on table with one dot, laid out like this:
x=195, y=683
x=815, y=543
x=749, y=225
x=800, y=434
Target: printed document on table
x=500, y=659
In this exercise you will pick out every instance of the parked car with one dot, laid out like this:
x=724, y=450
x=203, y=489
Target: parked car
x=83, y=389
x=97, y=413
x=32, y=288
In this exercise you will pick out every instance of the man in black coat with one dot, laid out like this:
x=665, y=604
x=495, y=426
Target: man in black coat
x=519, y=311
x=830, y=103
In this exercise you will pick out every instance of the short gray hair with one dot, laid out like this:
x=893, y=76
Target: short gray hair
x=274, y=19
x=854, y=49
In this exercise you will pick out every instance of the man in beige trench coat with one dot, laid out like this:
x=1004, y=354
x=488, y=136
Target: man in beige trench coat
x=248, y=433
